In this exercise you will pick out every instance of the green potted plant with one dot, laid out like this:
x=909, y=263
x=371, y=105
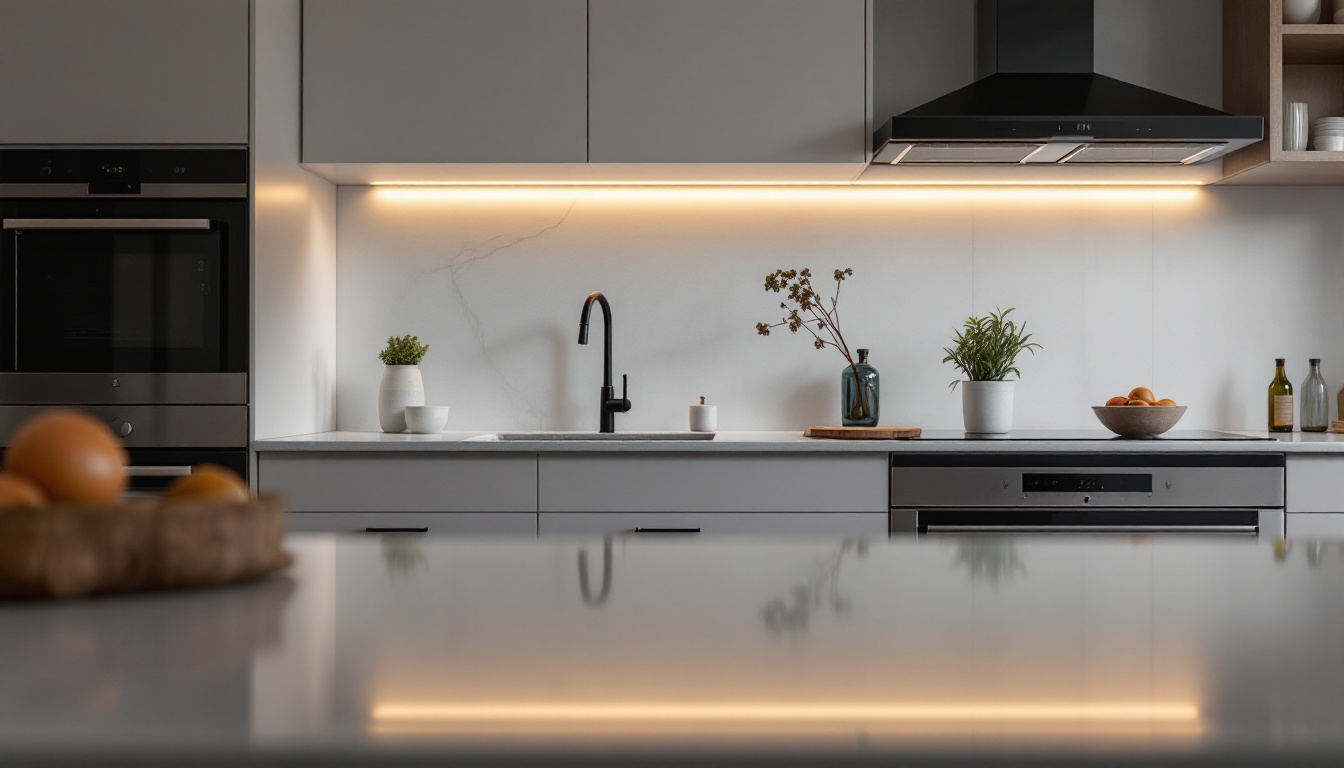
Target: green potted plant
x=858, y=380
x=986, y=350
x=401, y=385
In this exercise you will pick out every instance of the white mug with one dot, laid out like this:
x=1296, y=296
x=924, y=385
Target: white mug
x=1295, y=126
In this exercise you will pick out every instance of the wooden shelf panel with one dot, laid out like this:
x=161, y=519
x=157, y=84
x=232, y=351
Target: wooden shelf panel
x=1318, y=172
x=1313, y=43
x=1307, y=156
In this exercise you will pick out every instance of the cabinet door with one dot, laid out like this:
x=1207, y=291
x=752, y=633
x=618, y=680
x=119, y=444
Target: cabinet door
x=444, y=81
x=467, y=523
x=1314, y=483
x=124, y=72
x=364, y=482
x=727, y=81
x=692, y=524
x=715, y=483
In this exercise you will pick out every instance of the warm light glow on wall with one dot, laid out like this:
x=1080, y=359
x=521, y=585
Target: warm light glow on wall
x=850, y=194
x=1105, y=717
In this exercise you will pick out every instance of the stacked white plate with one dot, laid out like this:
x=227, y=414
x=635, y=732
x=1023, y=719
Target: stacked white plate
x=1329, y=134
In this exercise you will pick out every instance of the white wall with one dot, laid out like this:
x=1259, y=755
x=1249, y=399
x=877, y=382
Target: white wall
x=1194, y=296
x=1193, y=293
x=294, y=252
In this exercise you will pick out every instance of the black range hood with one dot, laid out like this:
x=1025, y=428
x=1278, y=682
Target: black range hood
x=1038, y=102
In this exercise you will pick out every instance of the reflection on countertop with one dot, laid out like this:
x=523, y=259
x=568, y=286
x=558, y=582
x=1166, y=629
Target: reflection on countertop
x=390, y=646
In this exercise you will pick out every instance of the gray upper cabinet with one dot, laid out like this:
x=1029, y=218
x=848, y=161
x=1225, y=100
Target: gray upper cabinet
x=444, y=81
x=124, y=72
x=727, y=81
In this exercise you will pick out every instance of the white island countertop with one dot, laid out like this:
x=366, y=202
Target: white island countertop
x=933, y=441
x=433, y=651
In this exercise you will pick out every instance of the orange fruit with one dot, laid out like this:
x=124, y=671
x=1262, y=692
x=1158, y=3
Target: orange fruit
x=1138, y=402
x=17, y=491
x=210, y=482
x=1114, y=401
x=1142, y=393
x=70, y=455
x=1166, y=401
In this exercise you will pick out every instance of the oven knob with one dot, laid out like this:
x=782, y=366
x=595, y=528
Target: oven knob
x=122, y=427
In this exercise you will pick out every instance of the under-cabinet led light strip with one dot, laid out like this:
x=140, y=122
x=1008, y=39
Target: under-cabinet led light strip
x=850, y=194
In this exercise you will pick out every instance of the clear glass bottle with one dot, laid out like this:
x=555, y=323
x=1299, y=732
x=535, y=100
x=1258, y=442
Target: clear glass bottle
x=1280, y=400
x=1315, y=400
x=859, y=393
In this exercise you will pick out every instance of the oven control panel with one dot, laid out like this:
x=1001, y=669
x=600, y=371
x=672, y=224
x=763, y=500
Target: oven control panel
x=1033, y=482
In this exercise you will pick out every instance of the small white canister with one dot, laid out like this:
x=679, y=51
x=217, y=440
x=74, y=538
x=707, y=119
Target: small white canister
x=704, y=418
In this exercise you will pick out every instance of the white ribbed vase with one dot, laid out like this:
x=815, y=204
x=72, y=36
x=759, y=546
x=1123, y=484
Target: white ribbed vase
x=401, y=386
x=987, y=406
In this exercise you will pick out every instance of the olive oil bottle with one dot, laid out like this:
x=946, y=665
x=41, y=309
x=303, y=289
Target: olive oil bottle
x=1280, y=400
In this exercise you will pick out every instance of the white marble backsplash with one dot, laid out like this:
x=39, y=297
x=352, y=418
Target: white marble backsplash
x=1190, y=292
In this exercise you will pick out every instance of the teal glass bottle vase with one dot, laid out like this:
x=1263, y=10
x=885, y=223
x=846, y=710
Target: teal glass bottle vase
x=859, y=393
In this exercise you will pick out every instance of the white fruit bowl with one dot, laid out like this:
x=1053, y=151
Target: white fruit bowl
x=1139, y=420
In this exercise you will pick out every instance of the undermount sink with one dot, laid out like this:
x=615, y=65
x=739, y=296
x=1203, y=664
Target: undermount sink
x=606, y=436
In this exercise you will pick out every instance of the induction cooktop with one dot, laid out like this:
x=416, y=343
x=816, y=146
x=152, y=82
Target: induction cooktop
x=1087, y=434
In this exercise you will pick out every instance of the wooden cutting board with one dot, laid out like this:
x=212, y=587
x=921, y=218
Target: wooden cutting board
x=1337, y=426
x=863, y=433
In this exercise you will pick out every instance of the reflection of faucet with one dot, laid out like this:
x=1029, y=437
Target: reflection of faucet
x=610, y=405
x=606, y=574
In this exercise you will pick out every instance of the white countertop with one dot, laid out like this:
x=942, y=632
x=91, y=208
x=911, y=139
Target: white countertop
x=933, y=441
x=405, y=650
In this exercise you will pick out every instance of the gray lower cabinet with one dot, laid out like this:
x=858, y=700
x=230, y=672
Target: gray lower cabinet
x=727, y=81
x=445, y=81
x=715, y=483
x=513, y=523
x=424, y=483
x=124, y=71
x=1314, y=483
x=675, y=524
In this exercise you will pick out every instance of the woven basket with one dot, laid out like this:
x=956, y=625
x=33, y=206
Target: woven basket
x=72, y=551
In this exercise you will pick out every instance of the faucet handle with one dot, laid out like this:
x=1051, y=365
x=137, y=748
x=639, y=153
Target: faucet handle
x=623, y=405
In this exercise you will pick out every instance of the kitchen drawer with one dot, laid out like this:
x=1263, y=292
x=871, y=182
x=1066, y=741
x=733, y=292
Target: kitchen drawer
x=822, y=524
x=363, y=482
x=713, y=483
x=504, y=523
x=1315, y=483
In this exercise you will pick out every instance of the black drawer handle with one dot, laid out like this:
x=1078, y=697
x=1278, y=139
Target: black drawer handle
x=667, y=530
x=396, y=530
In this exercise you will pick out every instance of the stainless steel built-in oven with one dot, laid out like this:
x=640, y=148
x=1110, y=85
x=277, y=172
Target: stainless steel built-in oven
x=1186, y=493
x=124, y=291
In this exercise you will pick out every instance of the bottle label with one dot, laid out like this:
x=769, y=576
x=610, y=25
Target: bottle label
x=1283, y=410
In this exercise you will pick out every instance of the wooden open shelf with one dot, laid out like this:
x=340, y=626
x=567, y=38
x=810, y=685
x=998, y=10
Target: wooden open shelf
x=1267, y=64
x=1313, y=43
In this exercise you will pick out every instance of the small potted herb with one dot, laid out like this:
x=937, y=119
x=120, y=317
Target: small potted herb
x=858, y=381
x=986, y=350
x=401, y=385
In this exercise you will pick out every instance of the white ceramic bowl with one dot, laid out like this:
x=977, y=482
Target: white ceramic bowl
x=1138, y=420
x=1339, y=16
x=426, y=419
x=1328, y=143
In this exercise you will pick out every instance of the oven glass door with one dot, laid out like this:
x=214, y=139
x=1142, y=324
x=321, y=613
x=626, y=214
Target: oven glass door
x=117, y=295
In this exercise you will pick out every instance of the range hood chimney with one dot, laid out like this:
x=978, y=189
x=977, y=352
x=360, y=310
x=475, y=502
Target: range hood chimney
x=1038, y=102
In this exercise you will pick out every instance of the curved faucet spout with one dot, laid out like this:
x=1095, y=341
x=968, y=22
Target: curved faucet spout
x=606, y=331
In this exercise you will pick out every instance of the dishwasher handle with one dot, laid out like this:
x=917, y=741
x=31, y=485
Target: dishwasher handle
x=1244, y=530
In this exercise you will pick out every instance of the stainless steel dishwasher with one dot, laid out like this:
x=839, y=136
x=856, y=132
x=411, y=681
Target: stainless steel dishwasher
x=1184, y=493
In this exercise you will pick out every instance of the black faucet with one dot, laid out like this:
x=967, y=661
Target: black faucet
x=610, y=405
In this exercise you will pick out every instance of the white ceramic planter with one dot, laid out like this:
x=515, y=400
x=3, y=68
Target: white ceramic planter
x=987, y=406
x=401, y=386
